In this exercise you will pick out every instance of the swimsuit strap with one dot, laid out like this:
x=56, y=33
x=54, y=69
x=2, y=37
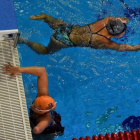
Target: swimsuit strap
x=95, y=33
x=103, y=36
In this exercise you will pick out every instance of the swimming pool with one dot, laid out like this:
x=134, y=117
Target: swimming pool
x=95, y=90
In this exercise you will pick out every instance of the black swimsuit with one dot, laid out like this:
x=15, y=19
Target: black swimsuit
x=89, y=44
x=54, y=127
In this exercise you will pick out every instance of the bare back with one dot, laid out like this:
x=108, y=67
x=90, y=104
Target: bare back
x=82, y=36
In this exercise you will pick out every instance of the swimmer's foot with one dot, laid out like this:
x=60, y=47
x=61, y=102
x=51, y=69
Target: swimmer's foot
x=38, y=17
x=38, y=48
x=22, y=41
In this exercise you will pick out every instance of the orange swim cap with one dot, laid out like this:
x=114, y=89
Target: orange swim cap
x=45, y=103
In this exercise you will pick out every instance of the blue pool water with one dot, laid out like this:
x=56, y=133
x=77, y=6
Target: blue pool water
x=95, y=90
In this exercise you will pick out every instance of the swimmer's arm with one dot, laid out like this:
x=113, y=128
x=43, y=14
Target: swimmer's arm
x=39, y=128
x=38, y=71
x=126, y=47
x=122, y=47
x=42, y=80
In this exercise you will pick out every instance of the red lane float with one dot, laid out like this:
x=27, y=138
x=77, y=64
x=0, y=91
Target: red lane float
x=133, y=135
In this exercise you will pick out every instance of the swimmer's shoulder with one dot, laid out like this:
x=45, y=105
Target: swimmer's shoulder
x=45, y=117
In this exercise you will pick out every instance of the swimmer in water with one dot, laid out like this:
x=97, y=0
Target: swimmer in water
x=96, y=35
x=43, y=118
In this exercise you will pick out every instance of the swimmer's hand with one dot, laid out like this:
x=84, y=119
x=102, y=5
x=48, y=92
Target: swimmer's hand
x=10, y=69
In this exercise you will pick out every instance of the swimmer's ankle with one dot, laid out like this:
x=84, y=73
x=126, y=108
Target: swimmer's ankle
x=22, y=41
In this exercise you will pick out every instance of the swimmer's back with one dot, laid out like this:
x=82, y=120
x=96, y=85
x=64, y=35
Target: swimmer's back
x=81, y=35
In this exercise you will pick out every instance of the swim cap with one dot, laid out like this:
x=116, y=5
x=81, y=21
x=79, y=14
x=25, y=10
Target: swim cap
x=45, y=103
x=116, y=27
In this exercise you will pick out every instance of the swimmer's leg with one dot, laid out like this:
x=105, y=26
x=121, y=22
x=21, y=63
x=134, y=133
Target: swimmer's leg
x=53, y=46
x=51, y=21
x=38, y=48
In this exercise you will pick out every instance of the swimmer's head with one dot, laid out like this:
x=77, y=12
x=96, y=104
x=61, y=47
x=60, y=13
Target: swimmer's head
x=116, y=27
x=44, y=104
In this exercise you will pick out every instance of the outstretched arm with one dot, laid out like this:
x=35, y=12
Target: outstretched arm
x=121, y=47
x=40, y=72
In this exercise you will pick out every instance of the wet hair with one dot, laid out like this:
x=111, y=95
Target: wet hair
x=116, y=27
